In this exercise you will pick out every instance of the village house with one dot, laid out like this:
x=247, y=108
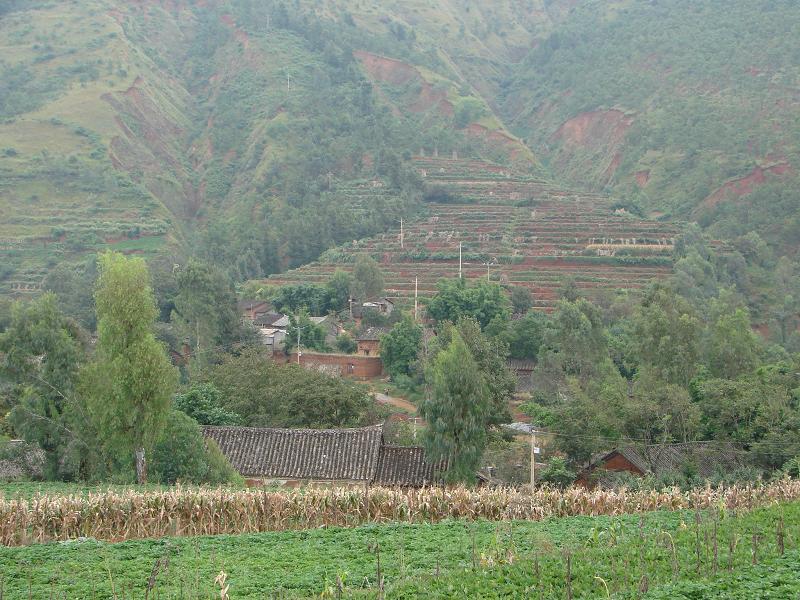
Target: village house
x=296, y=457
x=369, y=342
x=250, y=309
x=382, y=306
x=703, y=458
x=327, y=323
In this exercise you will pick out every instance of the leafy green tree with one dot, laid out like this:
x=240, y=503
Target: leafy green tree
x=312, y=335
x=667, y=335
x=576, y=335
x=346, y=344
x=732, y=345
x=569, y=289
x=338, y=288
x=525, y=336
x=590, y=414
x=367, y=281
x=456, y=299
x=307, y=296
x=73, y=287
x=205, y=305
x=399, y=347
x=490, y=354
x=660, y=412
x=270, y=395
x=130, y=381
x=457, y=411
x=558, y=473
x=42, y=354
x=521, y=299
x=203, y=402
x=759, y=411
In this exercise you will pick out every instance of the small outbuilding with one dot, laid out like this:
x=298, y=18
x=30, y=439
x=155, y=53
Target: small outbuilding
x=703, y=458
x=369, y=342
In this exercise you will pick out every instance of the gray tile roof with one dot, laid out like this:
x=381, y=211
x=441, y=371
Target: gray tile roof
x=323, y=455
x=709, y=458
x=373, y=334
x=404, y=466
x=318, y=454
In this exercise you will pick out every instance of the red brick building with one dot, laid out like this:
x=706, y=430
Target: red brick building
x=369, y=342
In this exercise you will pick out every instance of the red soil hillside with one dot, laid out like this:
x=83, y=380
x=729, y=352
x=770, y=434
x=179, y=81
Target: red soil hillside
x=745, y=185
x=598, y=134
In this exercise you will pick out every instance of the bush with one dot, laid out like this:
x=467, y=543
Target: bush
x=346, y=344
x=203, y=403
x=558, y=474
x=181, y=454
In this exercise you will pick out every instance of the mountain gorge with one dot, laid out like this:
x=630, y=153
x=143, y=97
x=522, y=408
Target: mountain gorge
x=260, y=134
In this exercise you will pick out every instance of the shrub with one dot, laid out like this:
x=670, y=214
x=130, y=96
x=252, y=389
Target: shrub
x=203, y=403
x=346, y=344
x=557, y=473
x=181, y=454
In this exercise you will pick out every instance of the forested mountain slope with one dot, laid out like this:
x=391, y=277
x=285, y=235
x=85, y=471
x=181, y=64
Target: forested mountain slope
x=258, y=134
x=235, y=129
x=689, y=106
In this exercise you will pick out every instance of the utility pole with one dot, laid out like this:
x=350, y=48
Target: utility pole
x=459, y=260
x=298, y=344
x=415, y=428
x=416, y=296
x=488, y=264
x=533, y=458
x=402, y=237
x=287, y=80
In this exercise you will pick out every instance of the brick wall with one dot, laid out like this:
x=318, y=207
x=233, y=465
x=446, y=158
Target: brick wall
x=344, y=365
x=369, y=347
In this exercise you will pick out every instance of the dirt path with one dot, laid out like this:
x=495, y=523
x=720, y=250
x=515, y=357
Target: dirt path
x=400, y=403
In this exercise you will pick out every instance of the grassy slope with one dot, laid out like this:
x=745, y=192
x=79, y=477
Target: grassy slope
x=164, y=116
x=305, y=563
x=707, y=89
x=156, y=116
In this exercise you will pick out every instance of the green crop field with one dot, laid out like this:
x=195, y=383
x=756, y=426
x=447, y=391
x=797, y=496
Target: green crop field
x=671, y=554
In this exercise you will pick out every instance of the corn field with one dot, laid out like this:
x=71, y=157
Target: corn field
x=129, y=515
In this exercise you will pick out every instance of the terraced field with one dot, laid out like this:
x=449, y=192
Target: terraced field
x=522, y=230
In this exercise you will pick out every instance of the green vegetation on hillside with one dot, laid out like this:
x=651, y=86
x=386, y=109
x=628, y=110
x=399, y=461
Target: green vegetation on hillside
x=687, y=95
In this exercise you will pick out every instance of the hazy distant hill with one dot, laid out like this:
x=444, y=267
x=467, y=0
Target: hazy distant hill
x=249, y=130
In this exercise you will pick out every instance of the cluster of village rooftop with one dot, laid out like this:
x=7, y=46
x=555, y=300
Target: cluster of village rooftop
x=272, y=326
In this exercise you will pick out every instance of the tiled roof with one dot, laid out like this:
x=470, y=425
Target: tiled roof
x=318, y=454
x=266, y=319
x=516, y=364
x=283, y=322
x=372, y=334
x=708, y=457
x=403, y=466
